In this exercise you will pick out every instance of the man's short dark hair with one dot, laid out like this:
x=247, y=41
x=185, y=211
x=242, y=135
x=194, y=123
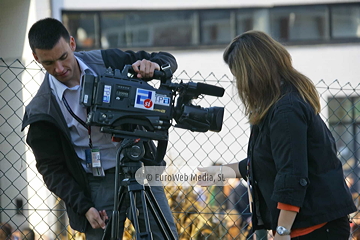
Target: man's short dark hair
x=45, y=33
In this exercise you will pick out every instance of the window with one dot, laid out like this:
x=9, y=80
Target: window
x=155, y=28
x=248, y=19
x=305, y=24
x=345, y=21
x=83, y=26
x=299, y=23
x=215, y=27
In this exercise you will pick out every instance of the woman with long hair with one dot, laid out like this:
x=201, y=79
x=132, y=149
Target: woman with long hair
x=295, y=179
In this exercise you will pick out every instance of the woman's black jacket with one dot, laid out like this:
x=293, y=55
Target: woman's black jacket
x=293, y=160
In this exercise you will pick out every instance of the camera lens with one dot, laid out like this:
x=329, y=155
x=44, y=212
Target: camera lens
x=215, y=117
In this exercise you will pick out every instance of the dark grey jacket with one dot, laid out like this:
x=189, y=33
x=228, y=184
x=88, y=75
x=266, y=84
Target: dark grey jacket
x=293, y=160
x=49, y=137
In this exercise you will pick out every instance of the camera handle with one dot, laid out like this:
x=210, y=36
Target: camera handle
x=134, y=189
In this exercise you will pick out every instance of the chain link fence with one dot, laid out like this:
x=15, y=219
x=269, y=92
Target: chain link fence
x=200, y=213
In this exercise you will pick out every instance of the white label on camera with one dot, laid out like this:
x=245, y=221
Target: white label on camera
x=162, y=100
x=107, y=94
x=144, y=99
x=86, y=98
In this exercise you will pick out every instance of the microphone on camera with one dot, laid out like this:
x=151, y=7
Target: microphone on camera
x=203, y=88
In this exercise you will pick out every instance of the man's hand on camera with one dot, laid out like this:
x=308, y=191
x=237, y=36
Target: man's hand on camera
x=145, y=68
x=96, y=218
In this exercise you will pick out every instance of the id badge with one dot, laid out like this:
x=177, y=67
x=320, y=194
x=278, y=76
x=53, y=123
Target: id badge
x=95, y=157
x=97, y=169
x=92, y=159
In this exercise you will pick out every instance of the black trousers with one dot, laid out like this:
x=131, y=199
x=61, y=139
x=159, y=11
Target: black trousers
x=338, y=229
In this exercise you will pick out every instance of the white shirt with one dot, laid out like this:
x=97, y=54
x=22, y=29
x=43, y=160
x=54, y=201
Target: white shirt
x=79, y=134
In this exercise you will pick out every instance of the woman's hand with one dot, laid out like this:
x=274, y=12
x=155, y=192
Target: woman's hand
x=285, y=237
x=210, y=175
x=218, y=175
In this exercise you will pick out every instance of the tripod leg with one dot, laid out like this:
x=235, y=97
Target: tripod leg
x=145, y=212
x=112, y=228
x=145, y=235
x=158, y=214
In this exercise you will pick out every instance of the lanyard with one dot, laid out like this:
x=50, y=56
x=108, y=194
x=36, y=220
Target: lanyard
x=78, y=119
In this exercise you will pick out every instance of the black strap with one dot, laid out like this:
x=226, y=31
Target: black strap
x=78, y=119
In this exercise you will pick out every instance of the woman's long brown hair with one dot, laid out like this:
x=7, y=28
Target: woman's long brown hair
x=259, y=65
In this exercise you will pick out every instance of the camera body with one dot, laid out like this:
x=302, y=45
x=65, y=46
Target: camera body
x=116, y=98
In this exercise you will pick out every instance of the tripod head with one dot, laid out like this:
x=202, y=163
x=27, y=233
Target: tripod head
x=132, y=152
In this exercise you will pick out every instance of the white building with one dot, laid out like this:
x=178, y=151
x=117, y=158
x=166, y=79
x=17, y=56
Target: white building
x=323, y=37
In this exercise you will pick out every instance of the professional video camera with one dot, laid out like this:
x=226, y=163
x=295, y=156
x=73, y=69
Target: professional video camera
x=117, y=98
x=136, y=112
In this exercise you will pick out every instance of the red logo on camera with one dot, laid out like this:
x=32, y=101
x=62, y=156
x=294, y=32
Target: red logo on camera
x=148, y=103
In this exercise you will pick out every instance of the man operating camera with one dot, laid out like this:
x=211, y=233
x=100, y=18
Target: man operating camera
x=77, y=161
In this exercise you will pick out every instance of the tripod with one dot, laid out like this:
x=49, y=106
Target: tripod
x=128, y=160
